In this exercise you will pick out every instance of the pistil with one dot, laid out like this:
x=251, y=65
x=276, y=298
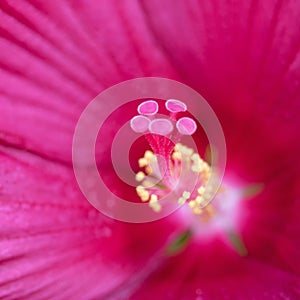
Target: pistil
x=163, y=165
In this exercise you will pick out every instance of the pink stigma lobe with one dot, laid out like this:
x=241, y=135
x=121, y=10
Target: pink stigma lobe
x=139, y=124
x=149, y=108
x=161, y=126
x=186, y=126
x=175, y=106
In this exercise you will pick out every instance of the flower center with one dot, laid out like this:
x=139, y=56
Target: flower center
x=169, y=166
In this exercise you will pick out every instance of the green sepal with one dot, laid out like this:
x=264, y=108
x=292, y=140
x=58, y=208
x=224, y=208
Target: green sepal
x=237, y=243
x=179, y=243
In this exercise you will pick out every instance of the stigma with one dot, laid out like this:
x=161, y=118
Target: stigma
x=167, y=160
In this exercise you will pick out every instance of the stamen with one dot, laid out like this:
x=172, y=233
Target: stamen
x=201, y=190
x=149, y=155
x=153, y=203
x=175, y=106
x=197, y=200
x=148, y=170
x=143, y=162
x=186, y=126
x=176, y=155
x=185, y=196
x=149, y=108
x=197, y=211
x=140, y=176
x=139, y=124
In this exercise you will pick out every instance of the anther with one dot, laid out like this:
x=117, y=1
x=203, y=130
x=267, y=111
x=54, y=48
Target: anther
x=201, y=190
x=145, y=196
x=199, y=199
x=153, y=203
x=140, y=176
x=148, y=155
x=197, y=211
x=185, y=196
x=153, y=198
x=143, y=162
x=192, y=204
x=148, y=170
x=176, y=155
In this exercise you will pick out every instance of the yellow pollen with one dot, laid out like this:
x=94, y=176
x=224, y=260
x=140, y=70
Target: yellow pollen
x=186, y=195
x=156, y=207
x=143, y=162
x=201, y=190
x=197, y=168
x=139, y=189
x=192, y=204
x=199, y=199
x=196, y=157
x=182, y=155
x=140, y=176
x=153, y=203
x=153, y=198
x=188, y=151
x=148, y=170
x=148, y=155
x=183, y=149
x=181, y=200
x=197, y=211
x=206, y=167
x=145, y=196
x=177, y=147
x=176, y=155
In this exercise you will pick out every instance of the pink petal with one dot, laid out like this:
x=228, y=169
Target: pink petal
x=55, y=245
x=56, y=56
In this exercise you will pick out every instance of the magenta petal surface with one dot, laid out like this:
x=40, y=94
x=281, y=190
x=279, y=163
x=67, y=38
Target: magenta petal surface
x=56, y=56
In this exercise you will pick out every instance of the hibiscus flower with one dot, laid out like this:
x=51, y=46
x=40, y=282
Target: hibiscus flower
x=56, y=56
